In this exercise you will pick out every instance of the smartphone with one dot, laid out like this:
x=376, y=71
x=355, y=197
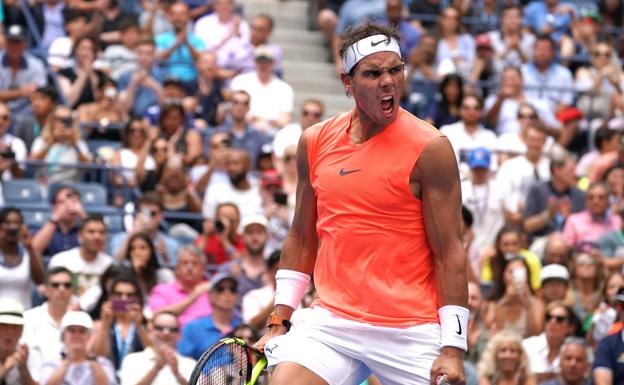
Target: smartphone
x=280, y=198
x=122, y=305
x=519, y=277
x=13, y=231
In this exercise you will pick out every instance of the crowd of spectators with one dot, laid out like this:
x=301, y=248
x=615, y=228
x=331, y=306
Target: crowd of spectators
x=180, y=109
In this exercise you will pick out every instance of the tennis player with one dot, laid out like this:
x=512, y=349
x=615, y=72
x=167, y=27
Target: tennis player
x=378, y=222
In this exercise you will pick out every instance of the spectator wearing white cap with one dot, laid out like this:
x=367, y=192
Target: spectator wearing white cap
x=198, y=335
x=13, y=357
x=76, y=366
x=555, y=283
x=250, y=268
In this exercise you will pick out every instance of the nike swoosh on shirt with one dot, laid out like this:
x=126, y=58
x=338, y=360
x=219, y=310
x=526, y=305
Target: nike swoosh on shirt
x=343, y=172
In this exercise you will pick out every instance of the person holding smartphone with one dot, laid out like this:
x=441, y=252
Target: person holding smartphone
x=20, y=265
x=121, y=328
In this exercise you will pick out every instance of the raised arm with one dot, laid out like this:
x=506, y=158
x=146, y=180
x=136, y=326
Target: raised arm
x=436, y=177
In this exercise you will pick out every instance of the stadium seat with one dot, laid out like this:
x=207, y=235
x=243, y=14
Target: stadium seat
x=35, y=218
x=92, y=194
x=23, y=193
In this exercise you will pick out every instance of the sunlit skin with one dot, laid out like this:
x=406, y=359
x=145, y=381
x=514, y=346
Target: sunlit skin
x=376, y=76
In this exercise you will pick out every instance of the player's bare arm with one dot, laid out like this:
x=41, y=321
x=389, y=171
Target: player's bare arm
x=435, y=180
x=300, y=246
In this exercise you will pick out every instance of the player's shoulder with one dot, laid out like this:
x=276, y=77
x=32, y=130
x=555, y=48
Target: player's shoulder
x=328, y=126
x=412, y=123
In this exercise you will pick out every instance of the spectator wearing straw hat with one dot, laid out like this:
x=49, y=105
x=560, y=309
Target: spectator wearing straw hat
x=13, y=356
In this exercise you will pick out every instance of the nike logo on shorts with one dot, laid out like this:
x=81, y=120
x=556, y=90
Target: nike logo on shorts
x=343, y=172
x=459, y=332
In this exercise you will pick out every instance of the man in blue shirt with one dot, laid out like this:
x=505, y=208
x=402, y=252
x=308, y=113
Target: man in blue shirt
x=549, y=17
x=244, y=136
x=200, y=334
x=143, y=88
x=608, y=366
x=179, y=49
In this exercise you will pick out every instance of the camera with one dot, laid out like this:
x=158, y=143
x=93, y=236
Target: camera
x=280, y=198
x=7, y=154
x=219, y=226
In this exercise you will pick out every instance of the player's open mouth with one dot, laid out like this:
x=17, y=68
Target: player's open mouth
x=387, y=104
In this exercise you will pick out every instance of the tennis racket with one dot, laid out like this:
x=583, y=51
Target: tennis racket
x=228, y=362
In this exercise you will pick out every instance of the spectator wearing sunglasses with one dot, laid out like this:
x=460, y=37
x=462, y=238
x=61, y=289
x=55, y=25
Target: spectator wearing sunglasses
x=42, y=324
x=161, y=364
x=543, y=350
x=244, y=135
x=200, y=334
x=311, y=113
x=60, y=144
x=608, y=368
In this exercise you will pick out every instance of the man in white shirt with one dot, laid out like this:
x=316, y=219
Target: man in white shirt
x=468, y=133
x=160, y=364
x=42, y=324
x=87, y=262
x=271, y=97
x=311, y=113
x=483, y=197
x=240, y=190
x=516, y=175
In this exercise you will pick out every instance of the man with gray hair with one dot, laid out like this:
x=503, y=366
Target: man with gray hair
x=187, y=296
x=574, y=361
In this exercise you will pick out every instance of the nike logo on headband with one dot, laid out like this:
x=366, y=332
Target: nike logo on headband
x=376, y=43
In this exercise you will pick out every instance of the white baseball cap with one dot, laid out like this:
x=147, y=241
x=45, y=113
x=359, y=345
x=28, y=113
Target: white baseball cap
x=11, y=312
x=76, y=318
x=555, y=271
x=254, y=219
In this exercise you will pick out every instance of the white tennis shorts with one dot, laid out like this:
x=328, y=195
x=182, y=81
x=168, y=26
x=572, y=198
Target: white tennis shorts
x=346, y=352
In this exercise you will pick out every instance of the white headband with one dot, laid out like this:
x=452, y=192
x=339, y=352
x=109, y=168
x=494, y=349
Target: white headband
x=368, y=46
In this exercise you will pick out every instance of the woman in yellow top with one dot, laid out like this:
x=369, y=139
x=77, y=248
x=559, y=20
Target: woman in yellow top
x=508, y=246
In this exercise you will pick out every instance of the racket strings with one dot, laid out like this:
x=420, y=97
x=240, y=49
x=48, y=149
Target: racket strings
x=228, y=365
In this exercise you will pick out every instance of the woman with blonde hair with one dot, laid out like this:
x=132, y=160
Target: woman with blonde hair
x=59, y=144
x=504, y=361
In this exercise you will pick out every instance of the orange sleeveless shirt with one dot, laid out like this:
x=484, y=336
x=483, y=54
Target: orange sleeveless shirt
x=374, y=262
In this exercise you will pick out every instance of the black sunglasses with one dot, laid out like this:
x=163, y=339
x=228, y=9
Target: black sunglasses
x=167, y=329
x=56, y=285
x=559, y=318
x=221, y=289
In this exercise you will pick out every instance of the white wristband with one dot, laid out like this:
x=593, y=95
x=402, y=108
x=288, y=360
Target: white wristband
x=454, y=326
x=290, y=287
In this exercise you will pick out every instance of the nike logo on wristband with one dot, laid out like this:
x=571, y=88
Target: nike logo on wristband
x=459, y=332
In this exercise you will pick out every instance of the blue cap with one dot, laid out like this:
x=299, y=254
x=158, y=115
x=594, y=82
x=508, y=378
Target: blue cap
x=479, y=157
